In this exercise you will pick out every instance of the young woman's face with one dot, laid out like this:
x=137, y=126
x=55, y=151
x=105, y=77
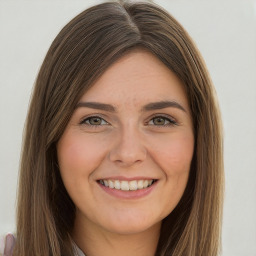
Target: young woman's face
x=125, y=155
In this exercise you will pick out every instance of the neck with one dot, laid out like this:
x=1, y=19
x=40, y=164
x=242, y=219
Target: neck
x=95, y=241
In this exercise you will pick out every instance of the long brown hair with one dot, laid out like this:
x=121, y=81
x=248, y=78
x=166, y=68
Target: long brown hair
x=81, y=52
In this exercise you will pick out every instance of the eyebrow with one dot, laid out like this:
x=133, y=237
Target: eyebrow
x=148, y=107
x=163, y=104
x=97, y=105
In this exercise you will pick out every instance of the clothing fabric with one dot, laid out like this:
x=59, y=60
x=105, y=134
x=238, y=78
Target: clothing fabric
x=77, y=250
x=7, y=243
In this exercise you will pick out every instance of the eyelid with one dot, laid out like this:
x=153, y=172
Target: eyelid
x=166, y=117
x=172, y=120
x=84, y=119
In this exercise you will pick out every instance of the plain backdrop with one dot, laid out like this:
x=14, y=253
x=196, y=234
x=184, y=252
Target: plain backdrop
x=225, y=33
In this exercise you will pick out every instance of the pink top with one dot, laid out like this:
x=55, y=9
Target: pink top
x=7, y=243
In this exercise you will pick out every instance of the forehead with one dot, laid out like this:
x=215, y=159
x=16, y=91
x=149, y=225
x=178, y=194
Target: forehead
x=136, y=77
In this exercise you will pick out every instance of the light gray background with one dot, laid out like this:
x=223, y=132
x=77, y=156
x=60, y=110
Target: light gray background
x=225, y=32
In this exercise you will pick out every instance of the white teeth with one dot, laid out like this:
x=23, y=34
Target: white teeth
x=127, y=185
x=145, y=183
x=117, y=184
x=124, y=185
x=140, y=184
x=111, y=184
x=133, y=185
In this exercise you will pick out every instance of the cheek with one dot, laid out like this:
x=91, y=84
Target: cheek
x=79, y=155
x=174, y=154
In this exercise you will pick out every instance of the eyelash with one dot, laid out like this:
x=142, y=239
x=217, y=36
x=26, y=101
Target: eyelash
x=83, y=122
x=171, y=121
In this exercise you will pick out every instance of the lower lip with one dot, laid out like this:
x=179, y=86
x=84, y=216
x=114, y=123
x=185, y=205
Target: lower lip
x=140, y=193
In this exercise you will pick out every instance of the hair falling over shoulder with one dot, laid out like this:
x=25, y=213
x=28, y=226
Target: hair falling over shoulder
x=80, y=53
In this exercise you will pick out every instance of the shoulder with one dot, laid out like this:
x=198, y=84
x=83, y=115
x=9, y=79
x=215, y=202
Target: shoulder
x=7, y=243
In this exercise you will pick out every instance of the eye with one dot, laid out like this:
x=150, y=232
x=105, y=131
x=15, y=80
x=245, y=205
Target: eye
x=162, y=121
x=94, y=121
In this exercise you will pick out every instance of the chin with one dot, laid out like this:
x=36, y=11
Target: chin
x=127, y=225
x=130, y=230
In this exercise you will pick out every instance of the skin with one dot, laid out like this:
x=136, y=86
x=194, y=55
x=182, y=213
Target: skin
x=130, y=142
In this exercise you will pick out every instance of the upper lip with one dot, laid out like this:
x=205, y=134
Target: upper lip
x=127, y=178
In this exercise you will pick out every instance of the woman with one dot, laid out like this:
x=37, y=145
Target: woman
x=123, y=150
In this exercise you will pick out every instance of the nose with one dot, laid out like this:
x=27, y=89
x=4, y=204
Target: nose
x=128, y=148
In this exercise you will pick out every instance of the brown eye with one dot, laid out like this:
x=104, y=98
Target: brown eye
x=161, y=121
x=94, y=121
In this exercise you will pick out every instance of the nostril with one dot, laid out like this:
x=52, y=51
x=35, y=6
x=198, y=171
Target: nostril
x=128, y=156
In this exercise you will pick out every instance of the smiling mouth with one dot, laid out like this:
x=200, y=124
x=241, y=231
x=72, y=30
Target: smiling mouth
x=124, y=185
